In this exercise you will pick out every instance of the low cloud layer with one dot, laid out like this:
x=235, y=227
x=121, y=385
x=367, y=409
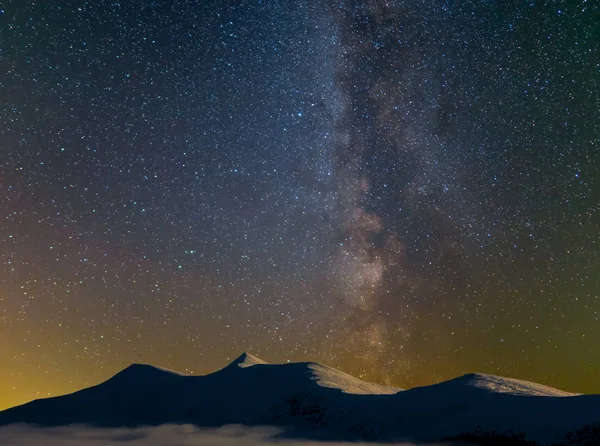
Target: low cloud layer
x=171, y=435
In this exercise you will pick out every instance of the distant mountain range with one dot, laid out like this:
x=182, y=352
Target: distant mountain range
x=309, y=397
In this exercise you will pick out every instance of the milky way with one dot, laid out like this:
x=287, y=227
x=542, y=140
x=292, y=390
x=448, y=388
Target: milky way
x=405, y=190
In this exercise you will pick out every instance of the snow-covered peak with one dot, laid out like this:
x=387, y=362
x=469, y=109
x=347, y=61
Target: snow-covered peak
x=499, y=384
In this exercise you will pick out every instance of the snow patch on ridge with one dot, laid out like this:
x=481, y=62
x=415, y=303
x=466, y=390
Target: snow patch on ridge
x=335, y=379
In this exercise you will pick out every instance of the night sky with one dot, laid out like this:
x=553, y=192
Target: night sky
x=406, y=190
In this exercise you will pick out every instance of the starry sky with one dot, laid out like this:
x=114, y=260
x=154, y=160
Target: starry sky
x=406, y=190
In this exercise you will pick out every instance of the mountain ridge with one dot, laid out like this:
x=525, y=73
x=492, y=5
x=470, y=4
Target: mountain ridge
x=307, y=395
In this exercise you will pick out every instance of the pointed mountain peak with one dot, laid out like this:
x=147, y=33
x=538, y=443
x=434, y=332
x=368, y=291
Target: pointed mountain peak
x=246, y=360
